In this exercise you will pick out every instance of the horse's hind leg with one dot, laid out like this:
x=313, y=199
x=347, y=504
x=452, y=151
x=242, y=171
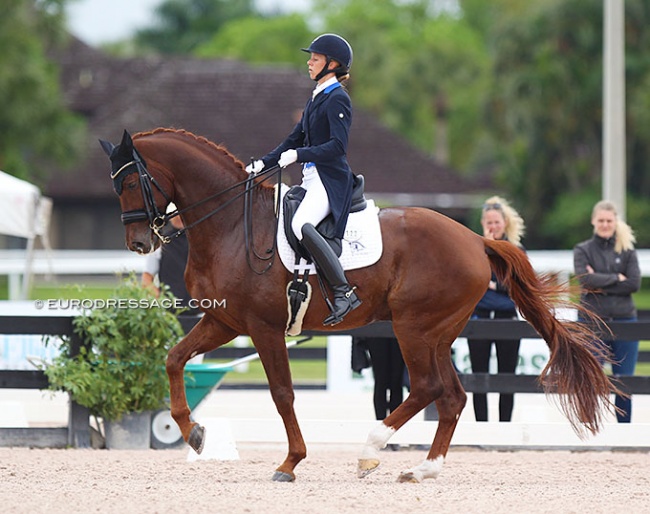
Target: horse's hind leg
x=425, y=388
x=450, y=405
x=274, y=356
x=206, y=335
x=428, y=358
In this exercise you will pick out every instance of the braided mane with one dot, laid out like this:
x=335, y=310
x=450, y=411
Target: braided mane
x=267, y=188
x=203, y=140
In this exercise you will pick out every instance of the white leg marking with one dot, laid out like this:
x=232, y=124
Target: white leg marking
x=377, y=440
x=428, y=469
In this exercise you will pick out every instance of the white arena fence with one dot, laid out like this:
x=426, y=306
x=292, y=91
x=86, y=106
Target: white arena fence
x=109, y=262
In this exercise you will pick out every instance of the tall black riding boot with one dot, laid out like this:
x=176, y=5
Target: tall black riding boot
x=330, y=268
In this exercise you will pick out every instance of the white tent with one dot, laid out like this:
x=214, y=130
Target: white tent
x=25, y=213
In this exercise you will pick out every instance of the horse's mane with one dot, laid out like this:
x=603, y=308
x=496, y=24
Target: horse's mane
x=203, y=140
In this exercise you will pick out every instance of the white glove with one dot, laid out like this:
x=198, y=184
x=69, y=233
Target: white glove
x=288, y=157
x=255, y=167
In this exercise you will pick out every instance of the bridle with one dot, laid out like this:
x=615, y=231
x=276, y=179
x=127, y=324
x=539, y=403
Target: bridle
x=157, y=219
x=150, y=212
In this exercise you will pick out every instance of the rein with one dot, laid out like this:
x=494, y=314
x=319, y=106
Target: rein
x=248, y=220
x=248, y=182
x=158, y=220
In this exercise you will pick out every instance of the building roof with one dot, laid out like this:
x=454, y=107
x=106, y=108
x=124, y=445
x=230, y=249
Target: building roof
x=249, y=109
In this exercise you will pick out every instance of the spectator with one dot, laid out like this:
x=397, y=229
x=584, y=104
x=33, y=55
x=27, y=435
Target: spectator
x=388, y=371
x=607, y=267
x=499, y=221
x=167, y=265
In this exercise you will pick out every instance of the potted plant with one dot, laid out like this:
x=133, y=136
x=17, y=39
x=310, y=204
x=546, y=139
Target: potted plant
x=119, y=373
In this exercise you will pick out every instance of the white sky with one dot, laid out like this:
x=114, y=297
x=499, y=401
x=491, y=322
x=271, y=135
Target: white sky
x=104, y=21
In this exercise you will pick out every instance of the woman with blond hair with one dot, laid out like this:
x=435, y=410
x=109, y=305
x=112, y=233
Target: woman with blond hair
x=607, y=267
x=499, y=221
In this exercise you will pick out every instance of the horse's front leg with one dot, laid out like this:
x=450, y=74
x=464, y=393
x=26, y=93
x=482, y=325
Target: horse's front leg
x=206, y=335
x=274, y=356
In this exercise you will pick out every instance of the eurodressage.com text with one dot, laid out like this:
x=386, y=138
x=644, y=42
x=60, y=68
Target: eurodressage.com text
x=127, y=303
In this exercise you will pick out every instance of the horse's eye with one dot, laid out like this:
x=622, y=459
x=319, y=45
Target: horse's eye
x=131, y=185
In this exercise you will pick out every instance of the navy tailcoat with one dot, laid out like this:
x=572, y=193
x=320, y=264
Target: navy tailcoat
x=321, y=137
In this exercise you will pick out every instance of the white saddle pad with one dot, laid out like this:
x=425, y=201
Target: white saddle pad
x=361, y=244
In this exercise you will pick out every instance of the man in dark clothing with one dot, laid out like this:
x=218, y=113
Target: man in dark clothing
x=168, y=263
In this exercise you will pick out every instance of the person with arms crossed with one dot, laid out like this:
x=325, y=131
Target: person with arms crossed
x=607, y=267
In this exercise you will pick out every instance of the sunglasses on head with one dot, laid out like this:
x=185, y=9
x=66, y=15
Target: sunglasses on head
x=496, y=206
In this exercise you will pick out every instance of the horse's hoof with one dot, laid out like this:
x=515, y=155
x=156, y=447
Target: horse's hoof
x=281, y=476
x=408, y=477
x=366, y=466
x=197, y=438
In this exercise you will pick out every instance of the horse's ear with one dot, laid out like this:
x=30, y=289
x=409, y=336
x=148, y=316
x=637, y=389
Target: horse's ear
x=107, y=146
x=127, y=142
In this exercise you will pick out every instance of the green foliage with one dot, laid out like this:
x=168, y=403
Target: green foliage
x=417, y=67
x=568, y=222
x=276, y=39
x=122, y=368
x=34, y=123
x=638, y=213
x=183, y=25
x=546, y=108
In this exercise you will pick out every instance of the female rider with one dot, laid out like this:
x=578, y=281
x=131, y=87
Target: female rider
x=319, y=141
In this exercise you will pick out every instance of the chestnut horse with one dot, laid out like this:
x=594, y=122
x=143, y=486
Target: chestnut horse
x=432, y=273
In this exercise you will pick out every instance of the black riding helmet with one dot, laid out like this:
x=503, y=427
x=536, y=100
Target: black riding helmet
x=334, y=47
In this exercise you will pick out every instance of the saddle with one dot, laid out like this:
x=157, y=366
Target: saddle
x=292, y=201
x=299, y=290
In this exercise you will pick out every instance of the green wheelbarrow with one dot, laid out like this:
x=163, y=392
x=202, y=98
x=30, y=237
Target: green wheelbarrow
x=200, y=381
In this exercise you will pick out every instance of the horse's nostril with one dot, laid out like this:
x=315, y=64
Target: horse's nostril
x=138, y=246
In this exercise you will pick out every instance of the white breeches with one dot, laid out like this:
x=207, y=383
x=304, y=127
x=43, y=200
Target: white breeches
x=315, y=206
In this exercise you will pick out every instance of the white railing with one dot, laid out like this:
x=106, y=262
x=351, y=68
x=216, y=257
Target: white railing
x=110, y=262
x=66, y=262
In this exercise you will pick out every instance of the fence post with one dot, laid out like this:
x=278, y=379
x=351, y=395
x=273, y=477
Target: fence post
x=79, y=416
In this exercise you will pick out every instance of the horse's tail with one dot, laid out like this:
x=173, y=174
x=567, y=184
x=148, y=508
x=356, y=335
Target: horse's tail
x=573, y=371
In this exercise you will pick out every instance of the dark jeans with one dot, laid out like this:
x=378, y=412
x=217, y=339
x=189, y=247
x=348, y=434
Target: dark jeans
x=625, y=355
x=507, y=360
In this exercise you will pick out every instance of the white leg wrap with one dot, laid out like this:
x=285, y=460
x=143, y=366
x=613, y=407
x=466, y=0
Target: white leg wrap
x=377, y=439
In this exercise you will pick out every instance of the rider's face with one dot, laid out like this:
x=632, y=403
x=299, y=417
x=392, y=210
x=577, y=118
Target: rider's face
x=316, y=63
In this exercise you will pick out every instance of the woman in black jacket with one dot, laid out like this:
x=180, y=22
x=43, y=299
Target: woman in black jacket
x=607, y=267
x=499, y=221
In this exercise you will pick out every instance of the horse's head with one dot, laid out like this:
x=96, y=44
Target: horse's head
x=142, y=198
